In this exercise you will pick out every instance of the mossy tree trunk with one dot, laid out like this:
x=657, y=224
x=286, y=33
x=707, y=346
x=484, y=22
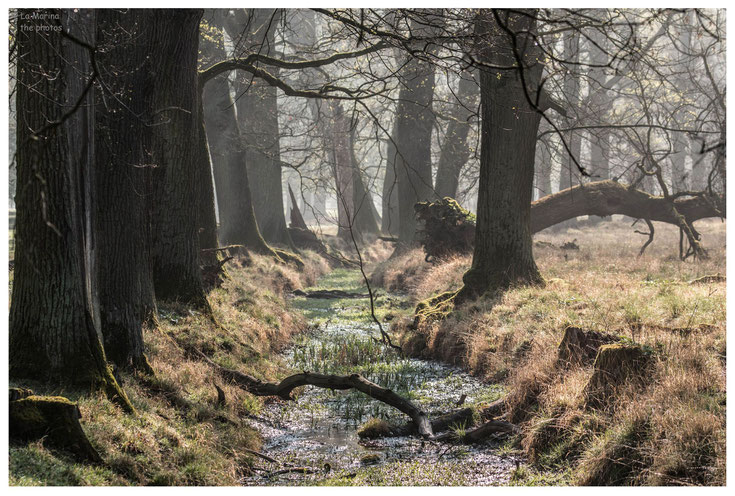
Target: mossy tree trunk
x=503, y=246
x=253, y=31
x=343, y=172
x=175, y=247
x=122, y=177
x=53, y=335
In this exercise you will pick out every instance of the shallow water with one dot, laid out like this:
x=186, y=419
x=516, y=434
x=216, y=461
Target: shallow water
x=319, y=429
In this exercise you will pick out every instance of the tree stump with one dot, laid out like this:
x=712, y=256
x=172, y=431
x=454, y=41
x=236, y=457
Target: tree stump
x=55, y=418
x=579, y=347
x=615, y=365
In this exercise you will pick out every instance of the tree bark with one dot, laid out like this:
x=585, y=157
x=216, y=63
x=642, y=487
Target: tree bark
x=455, y=150
x=52, y=330
x=605, y=198
x=175, y=247
x=503, y=247
x=238, y=225
x=413, y=126
x=123, y=180
x=343, y=172
x=389, y=200
x=257, y=115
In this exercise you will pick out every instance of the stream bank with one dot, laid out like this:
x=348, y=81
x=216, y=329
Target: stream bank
x=319, y=429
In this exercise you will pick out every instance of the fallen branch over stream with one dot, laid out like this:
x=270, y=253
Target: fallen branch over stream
x=419, y=420
x=284, y=389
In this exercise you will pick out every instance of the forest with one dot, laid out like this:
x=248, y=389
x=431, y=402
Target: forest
x=367, y=247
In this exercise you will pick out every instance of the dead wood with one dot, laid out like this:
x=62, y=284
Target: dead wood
x=708, y=279
x=329, y=294
x=604, y=198
x=480, y=433
x=262, y=455
x=465, y=416
x=288, y=470
x=355, y=381
x=51, y=417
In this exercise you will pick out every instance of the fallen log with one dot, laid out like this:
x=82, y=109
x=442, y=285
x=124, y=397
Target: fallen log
x=480, y=433
x=604, y=198
x=329, y=294
x=298, y=470
x=465, y=416
x=284, y=389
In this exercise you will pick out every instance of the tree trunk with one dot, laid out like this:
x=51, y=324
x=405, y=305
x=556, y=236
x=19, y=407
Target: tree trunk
x=237, y=216
x=122, y=181
x=206, y=213
x=175, y=248
x=599, y=107
x=366, y=215
x=389, y=200
x=542, y=167
x=455, y=150
x=606, y=198
x=413, y=127
x=679, y=176
x=503, y=247
x=257, y=115
x=571, y=92
x=52, y=330
x=343, y=172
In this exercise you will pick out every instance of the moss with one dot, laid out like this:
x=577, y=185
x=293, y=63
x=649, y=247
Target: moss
x=370, y=459
x=617, y=458
x=435, y=308
x=54, y=417
x=447, y=228
x=114, y=392
x=289, y=258
x=374, y=428
x=615, y=365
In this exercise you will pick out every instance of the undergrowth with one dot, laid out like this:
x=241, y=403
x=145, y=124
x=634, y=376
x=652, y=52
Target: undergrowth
x=182, y=434
x=668, y=429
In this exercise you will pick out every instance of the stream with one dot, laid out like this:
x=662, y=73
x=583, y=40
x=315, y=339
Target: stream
x=319, y=429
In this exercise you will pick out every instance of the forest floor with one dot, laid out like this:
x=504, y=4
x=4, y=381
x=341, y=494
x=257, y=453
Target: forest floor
x=182, y=434
x=667, y=428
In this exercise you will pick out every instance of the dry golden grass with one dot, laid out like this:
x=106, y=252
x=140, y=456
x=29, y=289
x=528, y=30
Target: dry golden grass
x=181, y=434
x=670, y=430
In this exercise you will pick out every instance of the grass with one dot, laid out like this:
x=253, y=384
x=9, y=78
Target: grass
x=671, y=428
x=181, y=435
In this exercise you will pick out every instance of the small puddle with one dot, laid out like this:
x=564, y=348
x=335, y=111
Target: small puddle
x=319, y=429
